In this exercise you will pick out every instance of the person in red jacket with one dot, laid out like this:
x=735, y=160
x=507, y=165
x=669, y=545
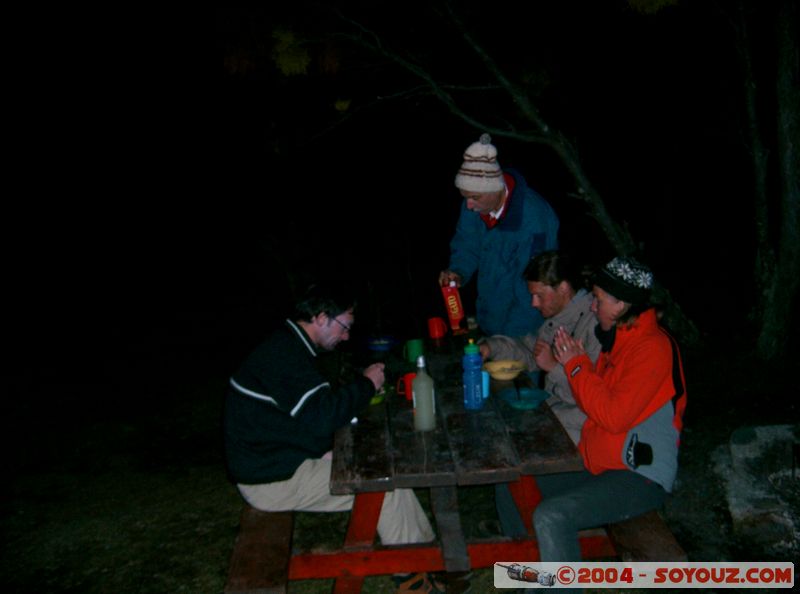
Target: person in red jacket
x=633, y=398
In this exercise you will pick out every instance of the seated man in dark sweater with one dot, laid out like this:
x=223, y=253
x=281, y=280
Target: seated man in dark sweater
x=281, y=415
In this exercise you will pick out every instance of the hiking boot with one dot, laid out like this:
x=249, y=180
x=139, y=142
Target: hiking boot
x=489, y=528
x=453, y=582
x=416, y=582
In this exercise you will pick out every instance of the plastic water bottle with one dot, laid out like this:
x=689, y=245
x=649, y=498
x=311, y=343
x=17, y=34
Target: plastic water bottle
x=424, y=398
x=473, y=381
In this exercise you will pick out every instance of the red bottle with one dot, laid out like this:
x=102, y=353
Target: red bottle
x=455, y=311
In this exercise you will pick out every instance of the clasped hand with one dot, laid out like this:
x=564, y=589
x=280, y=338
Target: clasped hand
x=565, y=347
x=543, y=355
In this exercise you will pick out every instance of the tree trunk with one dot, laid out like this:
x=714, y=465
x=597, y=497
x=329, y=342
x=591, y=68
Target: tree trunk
x=780, y=294
x=765, y=253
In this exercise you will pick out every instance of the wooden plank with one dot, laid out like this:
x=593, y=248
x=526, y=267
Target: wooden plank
x=594, y=544
x=405, y=559
x=444, y=502
x=645, y=538
x=261, y=555
x=362, y=459
x=479, y=443
x=376, y=561
x=540, y=440
x=420, y=459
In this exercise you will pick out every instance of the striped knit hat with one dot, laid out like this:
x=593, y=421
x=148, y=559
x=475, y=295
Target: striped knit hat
x=480, y=171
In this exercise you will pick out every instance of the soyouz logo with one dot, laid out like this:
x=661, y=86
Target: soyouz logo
x=644, y=575
x=523, y=573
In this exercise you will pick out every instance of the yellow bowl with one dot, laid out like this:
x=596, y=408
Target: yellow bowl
x=505, y=369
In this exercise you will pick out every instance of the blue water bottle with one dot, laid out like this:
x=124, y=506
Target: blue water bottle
x=472, y=363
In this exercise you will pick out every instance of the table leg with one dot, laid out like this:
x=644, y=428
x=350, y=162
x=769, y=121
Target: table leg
x=361, y=533
x=527, y=496
x=363, y=524
x=444, y=503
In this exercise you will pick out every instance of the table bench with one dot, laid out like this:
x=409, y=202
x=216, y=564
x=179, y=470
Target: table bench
x=261, y=554
x=645, y=538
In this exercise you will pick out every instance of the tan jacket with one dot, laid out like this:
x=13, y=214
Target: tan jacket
x=579, y=321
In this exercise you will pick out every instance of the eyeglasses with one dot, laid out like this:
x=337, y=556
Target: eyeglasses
x=344, y=326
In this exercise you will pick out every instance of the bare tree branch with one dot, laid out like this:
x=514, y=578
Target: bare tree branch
x=619, y=236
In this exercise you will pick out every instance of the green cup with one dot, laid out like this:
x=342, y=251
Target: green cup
x=413, y=349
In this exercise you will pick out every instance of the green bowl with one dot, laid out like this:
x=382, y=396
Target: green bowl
x=525, y=399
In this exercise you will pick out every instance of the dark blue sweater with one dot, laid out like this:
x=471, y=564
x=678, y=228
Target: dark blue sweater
x=279, y=410
x=498, y=258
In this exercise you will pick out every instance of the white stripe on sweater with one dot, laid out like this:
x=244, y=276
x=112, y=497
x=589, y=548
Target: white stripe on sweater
x=307, y=395
x=253, y=394
x=271, y=400
x=300, y=335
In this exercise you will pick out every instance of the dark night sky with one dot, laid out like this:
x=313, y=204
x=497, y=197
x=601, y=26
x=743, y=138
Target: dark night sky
x=178, y=264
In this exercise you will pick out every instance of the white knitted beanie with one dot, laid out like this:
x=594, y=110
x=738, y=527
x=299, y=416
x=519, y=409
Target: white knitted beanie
x=480, y=171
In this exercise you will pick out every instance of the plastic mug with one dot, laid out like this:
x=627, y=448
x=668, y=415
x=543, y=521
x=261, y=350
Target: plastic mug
x=413, y=349
x=404, y=387
x=436, y=327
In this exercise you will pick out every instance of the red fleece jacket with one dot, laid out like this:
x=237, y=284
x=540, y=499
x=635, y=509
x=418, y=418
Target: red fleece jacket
x=625, y=387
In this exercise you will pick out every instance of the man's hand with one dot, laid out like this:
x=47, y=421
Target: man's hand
x=448, y=276
x=375, y=374
x=543, y=355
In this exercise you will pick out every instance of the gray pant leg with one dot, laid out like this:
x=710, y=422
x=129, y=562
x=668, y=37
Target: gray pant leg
x=549, y=485
x=581, y=500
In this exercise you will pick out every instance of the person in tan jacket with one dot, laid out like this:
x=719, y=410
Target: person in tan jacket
x=558, y=291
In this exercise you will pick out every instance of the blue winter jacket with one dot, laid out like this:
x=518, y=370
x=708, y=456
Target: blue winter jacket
x=500, y=255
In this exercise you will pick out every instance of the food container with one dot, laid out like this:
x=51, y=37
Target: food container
x=381, y=343
x=504, y=369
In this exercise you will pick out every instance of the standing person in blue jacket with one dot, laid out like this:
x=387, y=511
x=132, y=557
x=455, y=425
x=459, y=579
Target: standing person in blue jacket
x=503, y=224
x=281, y=414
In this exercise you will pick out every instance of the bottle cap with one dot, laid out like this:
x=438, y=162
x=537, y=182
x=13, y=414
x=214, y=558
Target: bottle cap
x=421, y=361
x=471, y=348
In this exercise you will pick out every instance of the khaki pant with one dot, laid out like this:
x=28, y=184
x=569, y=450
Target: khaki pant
x=402, y=519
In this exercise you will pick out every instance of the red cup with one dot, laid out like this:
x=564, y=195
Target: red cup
x=404, y=385
x=436, y=327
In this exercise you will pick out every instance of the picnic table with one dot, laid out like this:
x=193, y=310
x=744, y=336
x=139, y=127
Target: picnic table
x=382, y=452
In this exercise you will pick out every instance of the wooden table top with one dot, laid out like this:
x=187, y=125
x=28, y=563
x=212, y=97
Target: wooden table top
x=493, y=445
